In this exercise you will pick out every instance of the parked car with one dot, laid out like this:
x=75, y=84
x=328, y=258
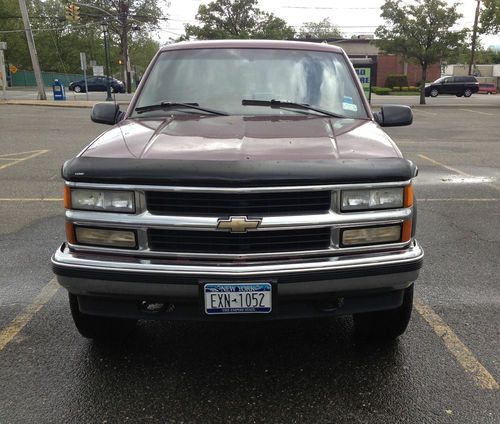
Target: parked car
x=459, y=86
x=263, y=188
x=487, y=88
x=97, y=84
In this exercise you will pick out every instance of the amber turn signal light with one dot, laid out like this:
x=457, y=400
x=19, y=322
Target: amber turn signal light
x=408, y=197
x=67, y=197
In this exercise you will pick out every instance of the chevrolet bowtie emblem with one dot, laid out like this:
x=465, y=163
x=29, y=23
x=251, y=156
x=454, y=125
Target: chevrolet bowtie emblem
x=238, y=224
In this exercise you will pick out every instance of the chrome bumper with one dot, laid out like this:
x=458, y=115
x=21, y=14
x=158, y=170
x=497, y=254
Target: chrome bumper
x=91, y=274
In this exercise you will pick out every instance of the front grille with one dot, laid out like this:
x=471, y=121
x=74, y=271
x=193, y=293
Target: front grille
x=251, y=242
x=226, y=204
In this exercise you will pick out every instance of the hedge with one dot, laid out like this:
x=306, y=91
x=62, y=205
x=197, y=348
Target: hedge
x=396, y=80
x=381, y=91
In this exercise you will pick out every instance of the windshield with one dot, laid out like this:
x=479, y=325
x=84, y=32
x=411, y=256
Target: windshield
x=221, y=78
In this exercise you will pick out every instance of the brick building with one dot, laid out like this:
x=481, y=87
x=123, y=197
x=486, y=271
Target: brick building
x=363, y=50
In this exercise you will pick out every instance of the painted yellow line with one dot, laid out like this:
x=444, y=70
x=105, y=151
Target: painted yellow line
x=46, y=199
x=457, y=348
x=478, y=111
x=8, y=155
x=20, y=321
x=457, y=171
x=16, y=161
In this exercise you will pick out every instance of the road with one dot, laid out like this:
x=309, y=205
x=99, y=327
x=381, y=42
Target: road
x=444, y=369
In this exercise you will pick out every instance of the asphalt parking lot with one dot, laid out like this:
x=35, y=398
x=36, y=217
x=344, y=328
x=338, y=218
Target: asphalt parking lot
x=444, y=369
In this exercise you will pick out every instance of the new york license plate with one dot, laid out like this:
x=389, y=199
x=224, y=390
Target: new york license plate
x=238, y=298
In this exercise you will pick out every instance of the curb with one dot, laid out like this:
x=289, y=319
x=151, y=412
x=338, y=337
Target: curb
x=51, y=103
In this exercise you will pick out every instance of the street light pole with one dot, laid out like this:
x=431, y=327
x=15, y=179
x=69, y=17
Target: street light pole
x=104, y=27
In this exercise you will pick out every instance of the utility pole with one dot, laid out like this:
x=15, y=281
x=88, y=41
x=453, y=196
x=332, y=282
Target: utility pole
x=474, y=37
x=32, y=49
x=123, y=17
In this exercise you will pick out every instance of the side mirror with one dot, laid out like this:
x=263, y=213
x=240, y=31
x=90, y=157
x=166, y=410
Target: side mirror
x=394, y=116
x=106, y=113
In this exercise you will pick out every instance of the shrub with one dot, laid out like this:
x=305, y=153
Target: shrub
x=412, y=88
x=396, y=88
x=381, y=91
x=396, y=80
x=404, y=88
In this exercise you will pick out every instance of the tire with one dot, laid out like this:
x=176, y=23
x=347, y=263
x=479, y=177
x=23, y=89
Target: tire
x=386, y=325
x=434, y=92
x=468, y=92
x=99, y=328
x=77, y=89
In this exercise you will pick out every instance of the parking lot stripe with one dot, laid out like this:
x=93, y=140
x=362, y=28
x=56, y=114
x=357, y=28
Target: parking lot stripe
x=457, y=348
x=20, y=321
x=46, y=199
x=457, y=171
x=16, y=161
x=478, y=111
x=460, y=200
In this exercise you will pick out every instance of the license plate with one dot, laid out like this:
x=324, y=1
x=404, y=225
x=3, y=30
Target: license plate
x=238, y=298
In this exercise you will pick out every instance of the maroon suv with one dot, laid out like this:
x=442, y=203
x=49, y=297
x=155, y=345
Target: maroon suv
x=247, y=180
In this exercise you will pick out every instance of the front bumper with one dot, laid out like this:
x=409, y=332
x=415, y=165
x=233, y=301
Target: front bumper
x=92, y=276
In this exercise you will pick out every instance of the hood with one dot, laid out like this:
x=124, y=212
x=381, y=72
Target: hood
x=239, y=138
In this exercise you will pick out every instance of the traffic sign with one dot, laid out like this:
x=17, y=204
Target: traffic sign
x=12, y=69
x=83, y=61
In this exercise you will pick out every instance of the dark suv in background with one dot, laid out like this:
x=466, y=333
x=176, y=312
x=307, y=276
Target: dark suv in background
x=460, y=86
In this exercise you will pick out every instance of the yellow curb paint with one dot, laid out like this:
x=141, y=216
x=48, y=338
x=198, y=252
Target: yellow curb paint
x=478, y=111
x=20, y=321
x=462, y=353
x=16, y=161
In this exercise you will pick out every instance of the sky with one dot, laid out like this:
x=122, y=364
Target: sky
x=352, y=17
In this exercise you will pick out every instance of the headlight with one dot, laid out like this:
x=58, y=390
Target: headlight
x=106, y=237
x=101, y=200
x=371, y=235
x=382, y=198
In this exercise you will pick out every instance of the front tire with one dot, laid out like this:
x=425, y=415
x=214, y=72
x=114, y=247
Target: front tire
x=99, y=328
x=386, y=325
x=468, y=93
x=434, y=92
x=77, y=89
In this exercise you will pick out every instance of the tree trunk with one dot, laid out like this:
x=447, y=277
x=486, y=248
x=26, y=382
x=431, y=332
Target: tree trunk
x=422, y=84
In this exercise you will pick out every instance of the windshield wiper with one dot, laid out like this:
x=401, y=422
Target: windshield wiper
x=293, y=105
x=177, y=105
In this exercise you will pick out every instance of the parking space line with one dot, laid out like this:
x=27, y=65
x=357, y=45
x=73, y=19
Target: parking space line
x=492, y=199
x=478, y=111
x=46, y=199
x=457, y=171
x=20, y=321
x=15, y=161
x=458, y=349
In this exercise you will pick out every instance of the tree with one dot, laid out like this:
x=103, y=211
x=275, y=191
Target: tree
x=221, y=19
x=490, y=17
x=420, y=32
x=319, y=30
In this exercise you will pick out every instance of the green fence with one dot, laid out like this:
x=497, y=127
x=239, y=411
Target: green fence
x=27, y=78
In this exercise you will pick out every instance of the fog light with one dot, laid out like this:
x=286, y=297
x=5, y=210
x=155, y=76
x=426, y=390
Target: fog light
x=371, y=235
x=106, y=238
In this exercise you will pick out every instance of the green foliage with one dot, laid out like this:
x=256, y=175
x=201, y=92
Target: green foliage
x=381, y=91
x=412, y=88
x=404, y=88
x=490, y=17
x=397, y=80
x=60, y=42
x=236, y=19
x=396, y=88
x=319, y=30
x=420, y=31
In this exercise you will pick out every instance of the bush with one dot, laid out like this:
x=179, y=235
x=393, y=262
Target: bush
x=396, y=80
x=412, y=88
x=396, y=88
x=381, y=91
x=404, y=88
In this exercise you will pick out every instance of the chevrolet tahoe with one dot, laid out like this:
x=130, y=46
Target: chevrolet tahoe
x=247, y=180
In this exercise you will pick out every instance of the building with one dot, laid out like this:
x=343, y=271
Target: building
x=483, y=73
x=364, y=52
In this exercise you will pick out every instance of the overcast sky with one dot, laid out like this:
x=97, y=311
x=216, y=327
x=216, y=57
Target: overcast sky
x=352, y=17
